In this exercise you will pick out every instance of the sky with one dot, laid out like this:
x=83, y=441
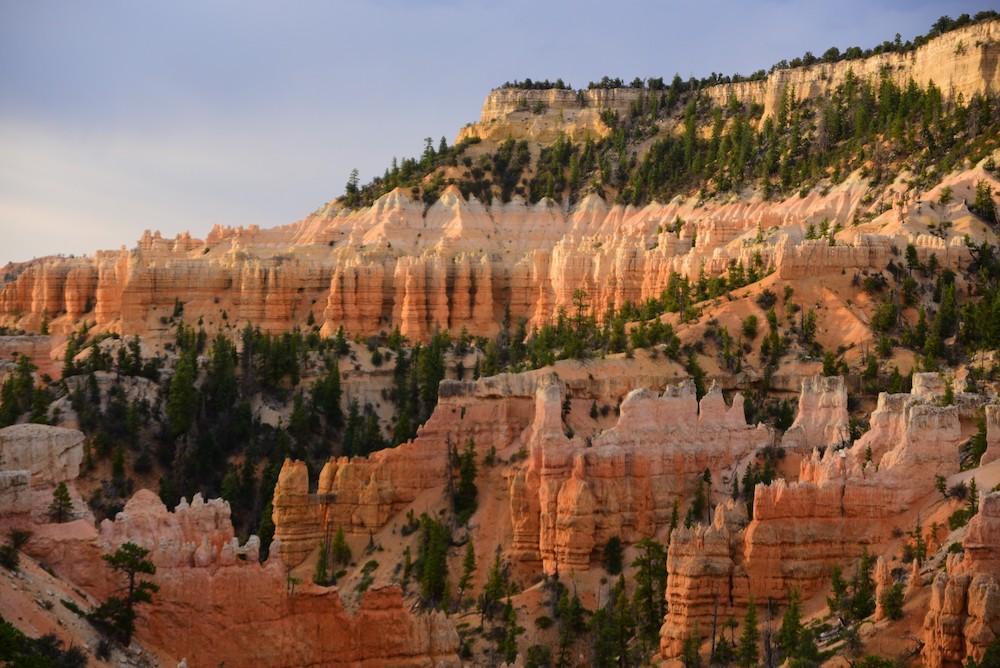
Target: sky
x=119, y=116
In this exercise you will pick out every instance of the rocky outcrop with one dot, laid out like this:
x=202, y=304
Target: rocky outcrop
x=821, y=420
x=360, y=494
x=38, y=350
x=961, y=62
x=992, y=415
x=572, y=497
x=51, y=455
x=964, y=612
x=216, y=604
x=566, y=500
x=704, y=580
x=34, y=458
x=982, y=538
x=842, y=502
x=962, y=620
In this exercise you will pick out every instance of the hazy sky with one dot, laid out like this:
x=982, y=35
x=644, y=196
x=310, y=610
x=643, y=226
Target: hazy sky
x=118, y=116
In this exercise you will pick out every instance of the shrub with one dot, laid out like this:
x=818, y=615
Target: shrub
x=766, y=299
x=892, y=601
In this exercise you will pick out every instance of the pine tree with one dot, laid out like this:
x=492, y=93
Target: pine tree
x=432, y=564
x=495, y=588
x=62, y=505
x=748, y=651
x=468, y=568
x=118, y=613
x=791, y=625
x=182, y=397
x=320, y=572
x=613, y=555
x=690, y=656
x=340, y=550
x=466, y=492
x=651, y=583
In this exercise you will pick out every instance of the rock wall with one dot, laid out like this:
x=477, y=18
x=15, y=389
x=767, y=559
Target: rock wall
x=38, y=349
x=964, y=613
x=992, y=434
x=216, y=604
x=570, y=495
x=361, y=494
x=821, y=419
x=34, y=458
x=457, y=264
x=51, y=455
x=842, y=502
x=960, y=62
x=573, y=496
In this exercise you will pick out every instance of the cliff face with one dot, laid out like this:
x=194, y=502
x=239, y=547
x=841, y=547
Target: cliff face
x=360, y=494
x=34, y=458
x=217, y=604
x=566, y=500
x=460, y=265
x=965, y=61
x=572, y=497
x=799, y=531
x=964, y=613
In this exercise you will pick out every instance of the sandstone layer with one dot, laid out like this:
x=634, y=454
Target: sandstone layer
x=843, y=501
x=964, y=613
x=216, y=604
x=962, y=62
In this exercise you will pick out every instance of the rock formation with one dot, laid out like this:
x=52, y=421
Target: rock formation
x=360, y=494
x=799, y=530
x=821, y=420
x=462, y=263
x=572, y=497
x=964, y=613
x=34, y=458
x=569, y=497
x=962, y=61
x=217, y=604
x=992, y=434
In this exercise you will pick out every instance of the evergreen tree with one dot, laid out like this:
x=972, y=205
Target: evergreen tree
x=613, y=555
x=62, y=505
x=690, y=654
x=340, y=550
x=468, y=568
x=182, y=397
x=465, y=494
x=432, y=565
x=748, y=650
x=118, y=613
x=496, y=587
x=651, y=584
x=320, y=572
x=791, y=625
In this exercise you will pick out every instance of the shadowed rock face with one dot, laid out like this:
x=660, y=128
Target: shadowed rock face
x=34, y=459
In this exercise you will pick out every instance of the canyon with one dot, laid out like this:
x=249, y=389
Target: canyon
x=761, y=461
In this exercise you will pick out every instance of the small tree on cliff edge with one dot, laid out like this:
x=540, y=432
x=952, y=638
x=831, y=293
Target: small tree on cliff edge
x=117, y=614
